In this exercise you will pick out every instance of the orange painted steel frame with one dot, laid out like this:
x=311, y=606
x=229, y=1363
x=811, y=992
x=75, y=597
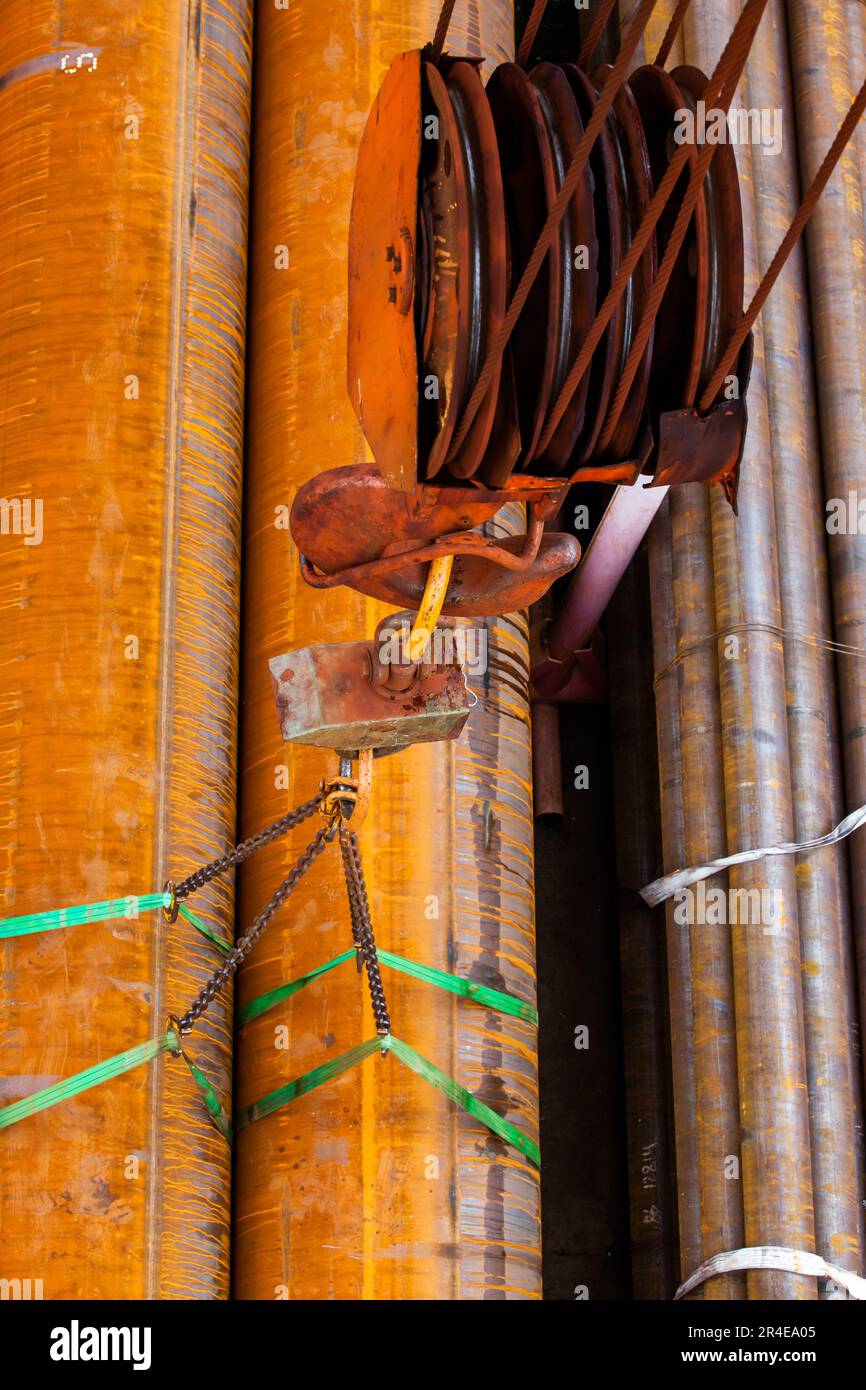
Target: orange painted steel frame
x=124, y=131
x=374, y=1186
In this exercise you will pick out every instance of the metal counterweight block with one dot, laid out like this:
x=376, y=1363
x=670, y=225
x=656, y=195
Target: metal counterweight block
x=343, y=697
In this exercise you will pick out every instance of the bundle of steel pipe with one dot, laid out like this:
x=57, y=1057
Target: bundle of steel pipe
x=122, y=287
x=829, y=1008
x=375, y=1186
x=751, y=708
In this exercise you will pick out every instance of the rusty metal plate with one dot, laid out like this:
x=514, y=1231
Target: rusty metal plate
x=681, y=325
x=709, y=448
x=325, y=697
x=382, y=250
x=579, y=296
x=350, y=516
x=529, y=181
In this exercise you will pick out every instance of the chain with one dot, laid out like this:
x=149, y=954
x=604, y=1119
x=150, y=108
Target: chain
x=362, y=927
x=336, y=801
x=235, y=856
x=245, y=944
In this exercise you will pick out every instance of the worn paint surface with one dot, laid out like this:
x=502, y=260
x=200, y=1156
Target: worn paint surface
x=122, y=281
x=373, y=1187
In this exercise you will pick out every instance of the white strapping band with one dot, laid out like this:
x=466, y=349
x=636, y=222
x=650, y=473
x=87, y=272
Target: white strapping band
x=663, y=888
x=774, y=1257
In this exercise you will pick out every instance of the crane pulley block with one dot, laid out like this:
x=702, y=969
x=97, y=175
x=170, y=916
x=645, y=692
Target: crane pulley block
x=468, y=403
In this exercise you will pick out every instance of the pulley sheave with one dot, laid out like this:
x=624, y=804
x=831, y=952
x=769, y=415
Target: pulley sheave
x=455, y=183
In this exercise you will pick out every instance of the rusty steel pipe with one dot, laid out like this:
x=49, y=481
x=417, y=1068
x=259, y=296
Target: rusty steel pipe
x=822, y=880
x=125, y=132
x=680, y=1002
x=546, y=760
x=652, y=1202
x=718, y=1120
x=374, y=1187
x=836, y=254
x=775, y=1141
x=678, y=942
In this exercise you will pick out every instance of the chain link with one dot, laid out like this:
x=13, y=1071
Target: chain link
x=336, y=809
x=362, y=926
x=235, y=856
x=245, y=944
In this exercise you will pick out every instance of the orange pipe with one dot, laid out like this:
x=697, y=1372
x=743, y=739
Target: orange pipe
x=124, y=131
x=374, y=1186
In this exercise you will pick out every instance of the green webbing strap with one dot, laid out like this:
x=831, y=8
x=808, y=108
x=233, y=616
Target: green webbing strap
x=87, y=912
x=84, y=1080
x=479, y=994
x=329, y=1071
x=256, y=1007
x=212, y=1101
x=410, y=1058
x=450, y=1088
x=128, y=908
x=218, y=941
x=468, y=989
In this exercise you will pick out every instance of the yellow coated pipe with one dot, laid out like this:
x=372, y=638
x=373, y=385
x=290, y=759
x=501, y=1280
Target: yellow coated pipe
x=124, y=131
x=375, y=1186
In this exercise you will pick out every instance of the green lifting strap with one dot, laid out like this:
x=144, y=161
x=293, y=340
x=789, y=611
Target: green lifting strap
x=328, y=1071
x=468, y=989
x=212, y=1102
x=218, y=941
x=256, y=1007
x=113, y=909
x=84, y=1080
x=457, y=1093
x=454, y=984
x=106, y=1071
x=319, y=1076
x=310, y=1081
x=128, y=907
